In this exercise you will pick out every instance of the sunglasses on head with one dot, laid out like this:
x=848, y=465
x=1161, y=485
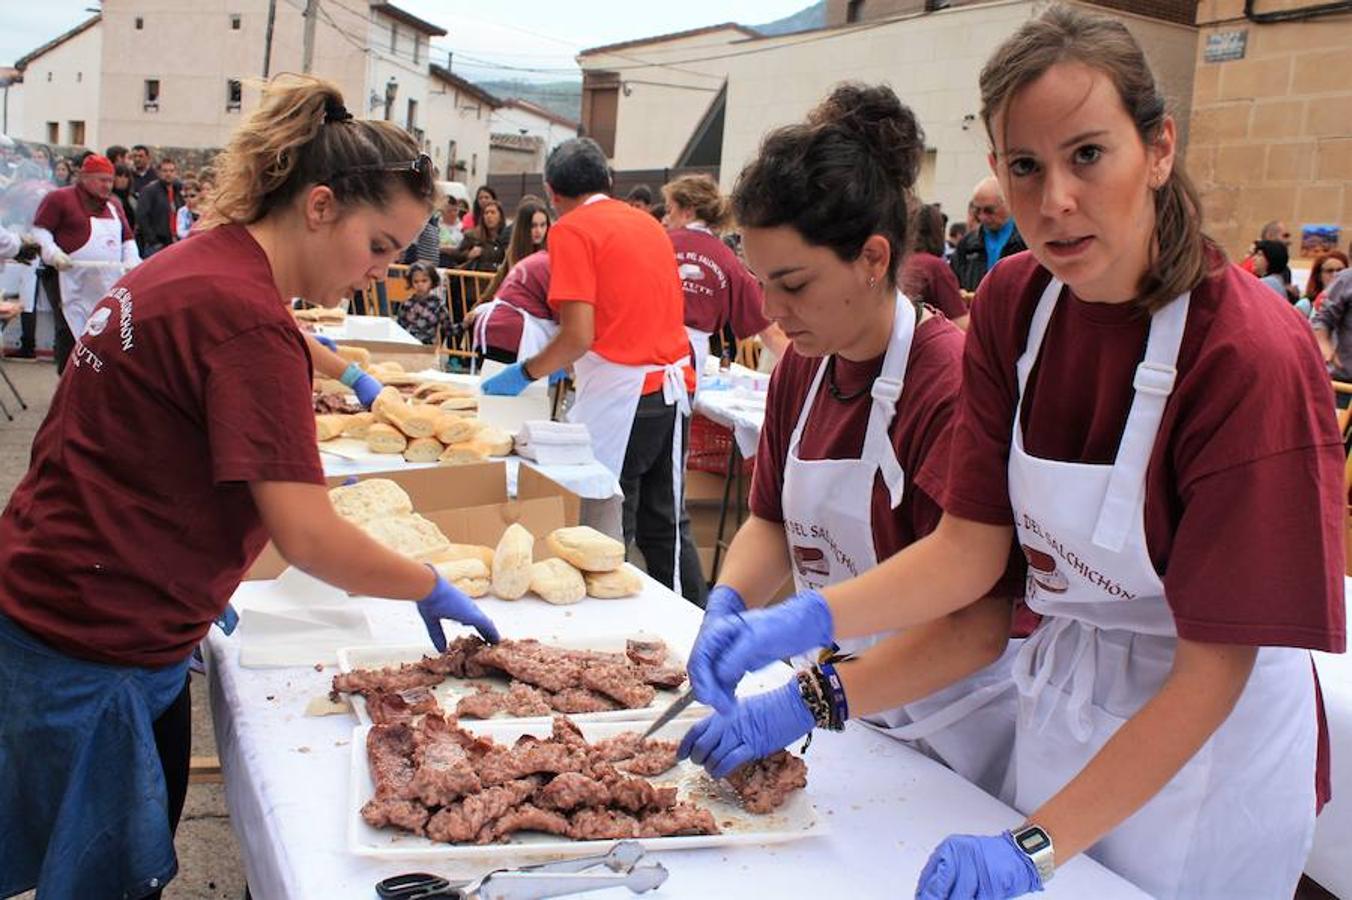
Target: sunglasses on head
x=421, y=167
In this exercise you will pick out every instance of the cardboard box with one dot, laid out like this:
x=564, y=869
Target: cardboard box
x=469, y=504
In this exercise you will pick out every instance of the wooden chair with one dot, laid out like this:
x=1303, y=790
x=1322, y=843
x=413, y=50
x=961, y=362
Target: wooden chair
x=748, y=353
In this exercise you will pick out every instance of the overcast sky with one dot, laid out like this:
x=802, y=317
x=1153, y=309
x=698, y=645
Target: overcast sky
x=490, y=40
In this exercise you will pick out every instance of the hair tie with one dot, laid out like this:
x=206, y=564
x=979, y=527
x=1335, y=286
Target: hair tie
x=335, y=112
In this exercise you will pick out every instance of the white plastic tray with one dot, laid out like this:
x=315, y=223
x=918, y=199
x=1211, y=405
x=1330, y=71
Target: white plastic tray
x=449, y=692
x=795, y=819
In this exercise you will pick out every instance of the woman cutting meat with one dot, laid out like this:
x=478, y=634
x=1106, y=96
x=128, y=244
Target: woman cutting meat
x=1182, y=529
x=180, y=440
x=862, y=397
x=719, y=292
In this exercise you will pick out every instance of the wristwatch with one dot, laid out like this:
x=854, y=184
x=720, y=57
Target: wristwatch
x=1037, y=844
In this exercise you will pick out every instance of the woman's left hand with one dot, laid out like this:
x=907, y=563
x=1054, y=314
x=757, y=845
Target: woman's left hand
x=743, y=642
x=968, y=867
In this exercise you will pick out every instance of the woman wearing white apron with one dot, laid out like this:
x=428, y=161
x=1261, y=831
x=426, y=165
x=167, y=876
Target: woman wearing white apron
x=619, y=305
x=719, y=291
x=863, y=395
x=1183, y=530
x=517, y=323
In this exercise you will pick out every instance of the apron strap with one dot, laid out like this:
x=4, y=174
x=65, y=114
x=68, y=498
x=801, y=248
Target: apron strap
x=1154, y=382
x=1037, y=330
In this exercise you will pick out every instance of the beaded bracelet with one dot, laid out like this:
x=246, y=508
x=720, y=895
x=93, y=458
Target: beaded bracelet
x=835, y=692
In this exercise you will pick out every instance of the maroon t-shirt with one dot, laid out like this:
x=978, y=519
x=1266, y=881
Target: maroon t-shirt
x=527, y=288
x=1244, y=501
x=134, y=523
x=835, y=430
x=63, y=212
x=927, y=278
x=718, y=288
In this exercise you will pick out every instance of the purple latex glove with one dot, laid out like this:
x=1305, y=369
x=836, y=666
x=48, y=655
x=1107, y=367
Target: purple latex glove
x=743, y=642
x=447, y=602
x=722, y=602
x=970, y=867
x=328, y=342
x=756, y=727
x=367, y=389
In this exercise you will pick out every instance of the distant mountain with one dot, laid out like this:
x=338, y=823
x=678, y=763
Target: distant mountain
x=807, y=19
x=562, y=97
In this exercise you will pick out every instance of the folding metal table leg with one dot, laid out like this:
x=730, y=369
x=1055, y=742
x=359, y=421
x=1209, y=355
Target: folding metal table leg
x=733, y=471
x=13, y=389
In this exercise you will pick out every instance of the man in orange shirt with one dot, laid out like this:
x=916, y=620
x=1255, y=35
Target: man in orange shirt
x=614, y=285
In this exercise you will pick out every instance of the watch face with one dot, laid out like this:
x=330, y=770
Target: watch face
x=1033, y=840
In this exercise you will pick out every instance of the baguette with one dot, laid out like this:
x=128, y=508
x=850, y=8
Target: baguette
x=422, y=450
x=413, y=421
x=459, y=404
x=623, y=582
x=371, y=498
x=382, y=438
x=453, y=429
x=495, y=441
x=409, y=534
x=463, y=454
x=464, y=551
x=512, y=562
x=358, y=424
x=586, y=548
x=450, y=389
x=330, y=425
x=468, y=575
x=555, y=581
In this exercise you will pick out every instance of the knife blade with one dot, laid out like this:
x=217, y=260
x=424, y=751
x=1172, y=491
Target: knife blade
x=675, y=709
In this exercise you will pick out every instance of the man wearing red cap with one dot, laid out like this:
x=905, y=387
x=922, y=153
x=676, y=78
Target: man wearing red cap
x=86, y=244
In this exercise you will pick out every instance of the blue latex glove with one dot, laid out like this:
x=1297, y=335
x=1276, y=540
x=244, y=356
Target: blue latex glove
x=980, y=868
x=510, y=382
x=558, y=376
x=367, y=389
x=757, y=727
x=722, y=602
x=446, y=602
x=327, y=342
x=743, y=642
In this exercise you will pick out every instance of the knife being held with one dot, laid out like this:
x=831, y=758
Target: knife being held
x=675, y=709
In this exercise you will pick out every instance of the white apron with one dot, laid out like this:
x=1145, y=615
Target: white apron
x=535, y=332
x=606, y=401
x=699, y=345
x=82, y=287
x=1238, y=819
x=827, y=507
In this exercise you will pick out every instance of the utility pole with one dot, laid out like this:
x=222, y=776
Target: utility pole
x=267, y=41
x=308, y=53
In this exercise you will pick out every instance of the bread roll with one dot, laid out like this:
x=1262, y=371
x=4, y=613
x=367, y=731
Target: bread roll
x=495, y=441
x=358, y=424
x=454, y=429
x=511, y=562
x=554, y=581
x=422, y=450
x=373, y=498
x=623, y=582
x=464, y=551
x=359, y=355
x=330, y=425
x=459, y=404
x=388, y=365
x=463, y=454
x=469, y=575
x=382, y=438
x=409, y=534
x=419, y=421
x=399, y=379
x=388, y=399
x=450, y=389
x=586, y=548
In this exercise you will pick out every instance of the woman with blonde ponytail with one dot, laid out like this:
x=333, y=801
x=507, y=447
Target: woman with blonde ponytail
x=180, y=440
x=1157, y=432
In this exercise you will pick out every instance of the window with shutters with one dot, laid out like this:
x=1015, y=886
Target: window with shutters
x=150, y=102
x=234, y=94
x=76, y=130
x=53, y=132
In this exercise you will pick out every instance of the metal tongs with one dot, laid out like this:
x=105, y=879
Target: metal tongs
x=553, y=879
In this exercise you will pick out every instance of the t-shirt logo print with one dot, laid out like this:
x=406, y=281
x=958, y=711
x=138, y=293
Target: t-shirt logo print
x=1043, y=571
x=811, y=561
x=97, y=322
x=690, y=272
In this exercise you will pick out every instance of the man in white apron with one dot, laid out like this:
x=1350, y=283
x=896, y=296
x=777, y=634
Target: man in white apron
x=827, y=512
x=615, y=288
x=85, y=237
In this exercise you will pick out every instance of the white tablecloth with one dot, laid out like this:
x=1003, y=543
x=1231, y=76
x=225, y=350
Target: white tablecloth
x=740, y=409
x=369, y=328
x=286, y=781
x=591, y=481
